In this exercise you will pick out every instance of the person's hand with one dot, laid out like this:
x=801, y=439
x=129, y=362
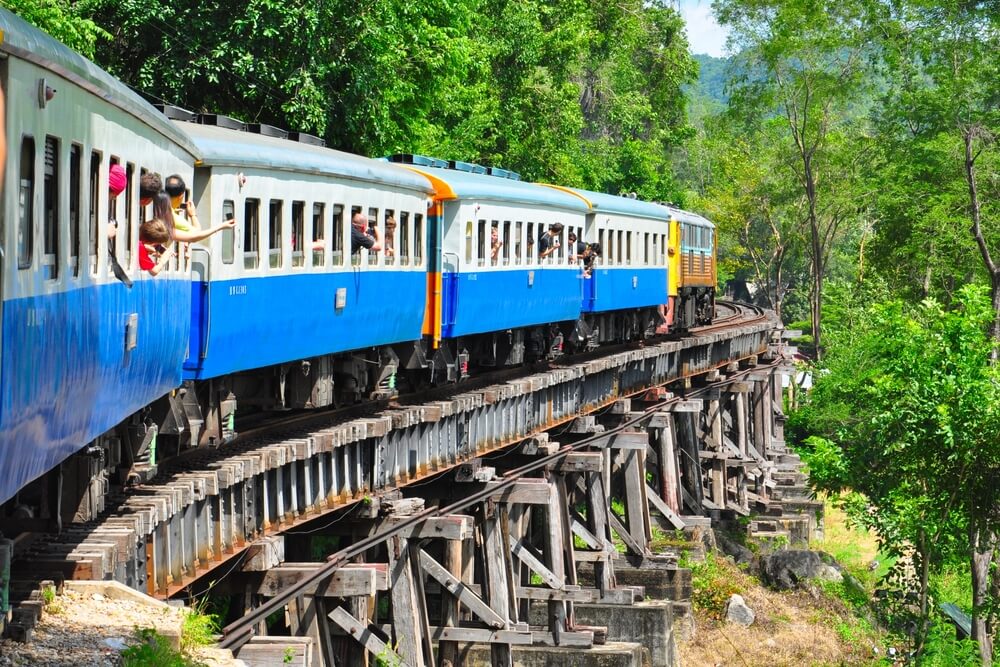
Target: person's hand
x=189, y=208
x=112, y=230
x=227, y=223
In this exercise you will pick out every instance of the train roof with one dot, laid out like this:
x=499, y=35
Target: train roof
x=688, y=217
x=450, y=184
x=24, y=41
x=221, y=146
x=599, y=202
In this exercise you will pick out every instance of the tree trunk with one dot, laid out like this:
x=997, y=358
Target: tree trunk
x=816, y=248
x=924, y=572
x=981, y=547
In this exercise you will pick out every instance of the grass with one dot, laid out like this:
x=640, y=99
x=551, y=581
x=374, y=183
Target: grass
x=198, y=629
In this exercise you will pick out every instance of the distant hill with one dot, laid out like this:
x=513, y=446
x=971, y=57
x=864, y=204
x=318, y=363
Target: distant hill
x=712, y=78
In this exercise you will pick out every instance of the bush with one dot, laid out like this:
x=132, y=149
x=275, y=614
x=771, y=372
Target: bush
x=712, y=585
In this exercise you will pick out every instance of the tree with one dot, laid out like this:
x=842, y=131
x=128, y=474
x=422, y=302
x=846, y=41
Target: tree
x=910, y=417
x=803, y=61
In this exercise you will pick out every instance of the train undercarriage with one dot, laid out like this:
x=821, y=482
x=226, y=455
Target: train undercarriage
x=203, y=414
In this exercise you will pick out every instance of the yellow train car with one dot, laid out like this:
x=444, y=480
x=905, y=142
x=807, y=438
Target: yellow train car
x=693, y=274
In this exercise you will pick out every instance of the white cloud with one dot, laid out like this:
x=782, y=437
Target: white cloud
x=704, y=34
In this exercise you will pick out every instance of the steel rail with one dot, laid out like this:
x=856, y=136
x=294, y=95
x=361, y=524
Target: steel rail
x=239, y=632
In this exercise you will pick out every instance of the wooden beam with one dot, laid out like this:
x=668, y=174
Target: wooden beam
x=526, y=555
x=531, y=492
x=664, y=509
x=364, y=636
x=454, y=586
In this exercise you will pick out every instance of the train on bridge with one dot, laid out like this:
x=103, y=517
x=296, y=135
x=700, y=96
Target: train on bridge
x=102, y=377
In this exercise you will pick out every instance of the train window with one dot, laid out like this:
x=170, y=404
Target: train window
x=621, y=244
x=481, y=243
x=628, y=247
x=389, y=236
x=505, y=249
x=298, y=232
x=95, y=198
x=418, y=238
x=319, y=235
x=228, y=234
x=518, y=236
x=468, y=242
x=656, y=257
x=529, y=255
x=26, y=204
x=372, y=224
x=128, y=241
x=337, y=253
x=75, y=185
x=609, y=250
x=663, y=249
x=355, y=256
x=50, y=215
x=274, y=220
x=645, y=248
x=404, y=238
x=251, y=234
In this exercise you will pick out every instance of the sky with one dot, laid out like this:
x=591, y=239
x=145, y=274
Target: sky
x=704, y=34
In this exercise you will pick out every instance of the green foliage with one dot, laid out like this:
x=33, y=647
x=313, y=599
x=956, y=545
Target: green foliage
x=198, y=627
x=942, y=649
x=152, y=650
x=712, y=585
x=69, y=22
x=571, y=91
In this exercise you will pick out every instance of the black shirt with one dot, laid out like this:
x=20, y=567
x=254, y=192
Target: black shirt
x=360, y=240
x=544, y=242
x=580, y=247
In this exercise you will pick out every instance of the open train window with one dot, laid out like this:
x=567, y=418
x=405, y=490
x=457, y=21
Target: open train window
x=389, y=232
x=298, y=232
x=418, y=238
x=529, y=256
x=75, y=186
x=518, y=240
x=26, y=204
x=337, y=253
x=130, y=205
x=481, y=243
x=372, y=224
x=251, y=234
x=319, y=235
x=95, y=199
x=404, y=238
x=274, y=220
x=228, y=233
x=505, y=239
x=621, y=246
x=468, y=242
x=50, y=216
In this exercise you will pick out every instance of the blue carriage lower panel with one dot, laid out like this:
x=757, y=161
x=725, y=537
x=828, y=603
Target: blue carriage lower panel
x=68, y=375
x=619, y=288
x=250, y=323
x=485, y=301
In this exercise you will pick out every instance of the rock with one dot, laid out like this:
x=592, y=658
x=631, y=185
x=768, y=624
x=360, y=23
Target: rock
x=733, y=548
x=97, y=597
x=738, y=612
x=829, y=573
x=784, y=570
x=116, y=643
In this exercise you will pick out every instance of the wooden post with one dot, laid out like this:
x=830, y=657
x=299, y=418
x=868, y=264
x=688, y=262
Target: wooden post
x=448, y=651
x=669, y=473
x=497, y=575
x=741, y=423
x=554, y=552
x=597, y=517
x=407, y=615
x=714, y=417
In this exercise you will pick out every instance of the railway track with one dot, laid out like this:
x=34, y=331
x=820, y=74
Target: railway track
x=204, y=508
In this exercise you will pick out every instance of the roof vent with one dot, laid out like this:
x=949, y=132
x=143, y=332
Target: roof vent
x=466, y=167
x=503, y=173
x=304, y=138
x=221, y=121
x=176, y=113
x=267, y=130
x=418, y=160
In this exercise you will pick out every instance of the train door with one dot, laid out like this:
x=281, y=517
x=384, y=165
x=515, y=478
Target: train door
x=4, y=199
x=201, y=272
x=589, y=290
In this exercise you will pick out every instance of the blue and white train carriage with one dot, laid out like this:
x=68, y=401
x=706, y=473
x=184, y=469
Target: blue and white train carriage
x=80, y=351
x=284, y=315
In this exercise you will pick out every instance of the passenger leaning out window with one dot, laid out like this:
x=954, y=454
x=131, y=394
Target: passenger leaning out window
x=155, y=246
x=360, y=239
x=495, y=244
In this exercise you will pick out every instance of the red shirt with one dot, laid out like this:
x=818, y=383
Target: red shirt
x=145, y=261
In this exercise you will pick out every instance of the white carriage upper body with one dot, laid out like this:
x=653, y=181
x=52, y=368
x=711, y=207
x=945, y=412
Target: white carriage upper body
x=293, y=203
x=55, y=189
